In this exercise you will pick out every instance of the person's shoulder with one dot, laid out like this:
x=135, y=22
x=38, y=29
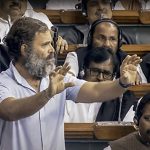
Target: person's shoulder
x=40, y=16
x=6, y=77
x=81, y=49
x=124, y=140
x=146, y=57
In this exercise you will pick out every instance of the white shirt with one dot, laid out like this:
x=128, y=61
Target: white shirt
x=81, y=113
x=119, y=6
x=43, y=130
x=5, y=25
x=145, y=5
x=130, y=115
x=107, y=148
x=61, y=4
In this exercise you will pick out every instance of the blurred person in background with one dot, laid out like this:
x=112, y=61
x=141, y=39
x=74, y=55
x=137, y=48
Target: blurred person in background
x=11, y=10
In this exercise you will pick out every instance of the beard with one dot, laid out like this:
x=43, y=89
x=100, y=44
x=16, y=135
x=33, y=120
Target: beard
x=38, y=66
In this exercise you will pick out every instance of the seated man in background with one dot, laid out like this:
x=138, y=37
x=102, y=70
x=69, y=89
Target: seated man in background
x=11, y=10
x=128, y=5
x=93, y=9
x=61, y=4
x=139, y=140
x=103, y=32
x=145, y=4
x=100, y=65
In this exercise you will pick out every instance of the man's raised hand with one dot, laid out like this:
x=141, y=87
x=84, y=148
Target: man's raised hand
x=57, y=84
x=128, y=70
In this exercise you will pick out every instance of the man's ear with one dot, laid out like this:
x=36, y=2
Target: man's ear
x=24, y=48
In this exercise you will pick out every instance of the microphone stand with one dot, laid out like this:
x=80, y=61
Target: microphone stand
x=55, y=38
x=120, y=105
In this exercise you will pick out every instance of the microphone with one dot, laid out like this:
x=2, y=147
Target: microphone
x=120, y=105
x=55, y=38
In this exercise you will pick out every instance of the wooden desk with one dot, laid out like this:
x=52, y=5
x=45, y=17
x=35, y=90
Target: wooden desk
x=140, y=90
x=76, y=17
x=126, y=16
x=79, y=130
x=145, y=17
x=92, y=136
x=139, y=49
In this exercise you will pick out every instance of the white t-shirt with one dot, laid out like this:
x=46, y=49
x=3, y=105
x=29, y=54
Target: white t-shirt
x=61, y=4
x=81, y=112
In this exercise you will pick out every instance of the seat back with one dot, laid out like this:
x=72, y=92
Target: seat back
x=4, y=57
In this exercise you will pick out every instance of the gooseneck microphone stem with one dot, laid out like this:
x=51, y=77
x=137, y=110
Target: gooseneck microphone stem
x=55, y=38
x=120, y=105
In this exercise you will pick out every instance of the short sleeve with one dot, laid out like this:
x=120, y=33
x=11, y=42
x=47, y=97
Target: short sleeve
x=72, y=92
x=4, y=92
x=73, y=62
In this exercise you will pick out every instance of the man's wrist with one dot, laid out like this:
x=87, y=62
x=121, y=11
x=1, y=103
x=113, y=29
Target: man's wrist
x=46, y=95
x=123, y=85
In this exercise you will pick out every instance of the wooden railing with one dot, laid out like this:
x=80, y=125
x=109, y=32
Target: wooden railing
x=139, y=49
x=76, y=17
x=98, y=130
x=140, y=90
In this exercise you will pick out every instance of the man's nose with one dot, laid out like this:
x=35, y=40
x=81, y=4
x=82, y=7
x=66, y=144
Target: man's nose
x=100, y=77
x=107, y=43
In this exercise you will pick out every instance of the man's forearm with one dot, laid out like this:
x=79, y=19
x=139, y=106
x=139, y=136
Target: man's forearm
x=12, y=109
x=102, y=91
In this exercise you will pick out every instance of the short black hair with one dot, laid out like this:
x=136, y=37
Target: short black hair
x=99, y=55
x=140, y=107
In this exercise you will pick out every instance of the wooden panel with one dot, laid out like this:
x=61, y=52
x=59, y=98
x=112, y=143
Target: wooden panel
x=79, y=130
x=97, y=131
x=102, y=130
x=75, y=16
x=139, y=49
x=126, y=16
x=140, y=90
x=145, y=17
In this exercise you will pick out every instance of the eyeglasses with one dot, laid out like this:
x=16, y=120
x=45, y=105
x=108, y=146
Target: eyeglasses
x=95, y=72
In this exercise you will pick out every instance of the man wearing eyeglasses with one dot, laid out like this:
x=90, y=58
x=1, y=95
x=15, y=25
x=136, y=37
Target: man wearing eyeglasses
x=100, y=65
